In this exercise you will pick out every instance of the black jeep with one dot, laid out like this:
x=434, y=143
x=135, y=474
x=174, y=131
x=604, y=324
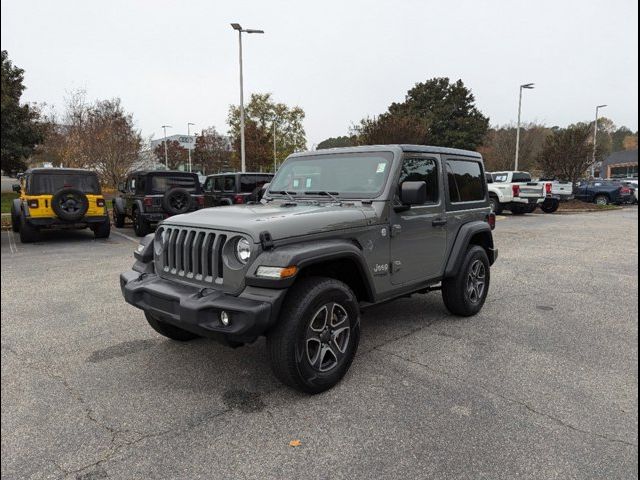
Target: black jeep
x=234, y=188
x=148, y=197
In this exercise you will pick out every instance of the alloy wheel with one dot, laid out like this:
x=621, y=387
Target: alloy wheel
x=327, y=337
x=476, y=281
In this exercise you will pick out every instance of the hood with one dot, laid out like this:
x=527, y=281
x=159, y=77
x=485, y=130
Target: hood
x=279, y=220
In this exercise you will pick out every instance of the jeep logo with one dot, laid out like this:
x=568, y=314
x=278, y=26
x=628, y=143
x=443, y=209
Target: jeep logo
x=380, y=268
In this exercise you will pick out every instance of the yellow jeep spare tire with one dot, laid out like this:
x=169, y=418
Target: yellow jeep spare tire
x=70, y=204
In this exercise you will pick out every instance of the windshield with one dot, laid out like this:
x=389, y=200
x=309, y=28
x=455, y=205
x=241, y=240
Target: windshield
x=162, y=183
x=50, y=183
x=347, y=175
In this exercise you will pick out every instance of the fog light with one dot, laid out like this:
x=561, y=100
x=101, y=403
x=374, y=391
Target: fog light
x=224, y=318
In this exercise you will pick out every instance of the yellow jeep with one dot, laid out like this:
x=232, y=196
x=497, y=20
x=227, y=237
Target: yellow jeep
x=58, y=198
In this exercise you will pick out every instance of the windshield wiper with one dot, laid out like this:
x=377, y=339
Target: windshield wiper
x=288, y=193
x=328, y=194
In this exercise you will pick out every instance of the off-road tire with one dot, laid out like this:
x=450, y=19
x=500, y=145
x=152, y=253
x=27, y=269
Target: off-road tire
x=455, y=291
x=79, y=200
x=170, y=331
x=15, y=218
x=140, y=226
x=550, y=206
x=601, y=200
x=28, y=233
x=288, y=343
x=177, y=201
x=118, y=218
x=495, y=205
x=102, y=230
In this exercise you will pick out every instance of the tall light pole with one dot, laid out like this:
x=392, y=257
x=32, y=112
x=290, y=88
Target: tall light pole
x=275, y=151
x=595, y=136
x=527, y=86
x=166, y=156
x=236, y=26
x=189, y=136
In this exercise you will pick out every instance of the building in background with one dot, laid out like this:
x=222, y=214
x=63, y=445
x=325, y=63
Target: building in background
x=623, y=164
x=185, y=141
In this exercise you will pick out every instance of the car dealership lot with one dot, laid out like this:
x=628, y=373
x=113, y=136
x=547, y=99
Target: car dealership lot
x=541, y=384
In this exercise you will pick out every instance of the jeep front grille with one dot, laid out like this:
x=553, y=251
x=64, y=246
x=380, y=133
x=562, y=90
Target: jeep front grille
x=190, y=253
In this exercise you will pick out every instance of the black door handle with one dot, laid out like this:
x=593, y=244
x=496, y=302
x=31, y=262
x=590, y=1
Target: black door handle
x=439, y=222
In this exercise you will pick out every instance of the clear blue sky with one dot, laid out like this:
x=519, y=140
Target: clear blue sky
x=177, y=62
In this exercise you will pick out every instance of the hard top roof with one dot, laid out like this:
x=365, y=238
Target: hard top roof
x=239, y=173
x=396, y=147
x=61, y=171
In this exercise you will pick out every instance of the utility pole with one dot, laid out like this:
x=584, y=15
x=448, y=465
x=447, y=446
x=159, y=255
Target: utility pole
x=527, y=86
x=166, y=156
x=595, y=136
x=189, y=149
x=275, y=151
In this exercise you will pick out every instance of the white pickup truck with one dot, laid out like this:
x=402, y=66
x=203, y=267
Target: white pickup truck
x=555, y=192
x=514, y=191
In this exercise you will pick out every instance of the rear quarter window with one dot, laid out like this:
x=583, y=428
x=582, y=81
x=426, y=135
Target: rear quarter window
x=465, y=181
x=162, y=183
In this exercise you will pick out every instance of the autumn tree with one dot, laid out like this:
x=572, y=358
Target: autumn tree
x=435, y=112
x=567, y=152
x=499, y=146
x=21, y=129
x=176, y=154
x=262, y=113
x=630, y=142
x=336, y=142
x=212, y=153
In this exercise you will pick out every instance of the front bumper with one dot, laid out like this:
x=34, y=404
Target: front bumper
x=198, y=309
x=53, y=222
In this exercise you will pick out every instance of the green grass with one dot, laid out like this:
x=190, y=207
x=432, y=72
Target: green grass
x=7, y=198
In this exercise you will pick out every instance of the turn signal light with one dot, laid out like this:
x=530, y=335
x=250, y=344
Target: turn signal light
x=276, y=273
x=33, y=203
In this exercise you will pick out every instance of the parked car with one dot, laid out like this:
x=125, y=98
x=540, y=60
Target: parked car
x=603, y=192
x=374, y=224
x=514, y=191
x=633, y=185
x=148, y=197
x=233, y=188
x=51, y=198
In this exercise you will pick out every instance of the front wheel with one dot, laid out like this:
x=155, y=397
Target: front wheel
x=466, y=293
x=602, y=200
x=170, y=331
x=140, y=226
x=118, y=218
x=317, y=335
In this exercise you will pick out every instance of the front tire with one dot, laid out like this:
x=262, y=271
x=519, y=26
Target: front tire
x=601, y=200
x=170, y=331
x=140, y=226
x=317, y=335
x=465, y=294
x=118, y=218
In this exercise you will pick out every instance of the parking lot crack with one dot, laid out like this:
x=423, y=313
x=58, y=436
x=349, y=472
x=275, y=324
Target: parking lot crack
x=510, y=399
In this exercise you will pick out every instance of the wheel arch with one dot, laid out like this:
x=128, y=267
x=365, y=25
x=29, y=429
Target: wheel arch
x=473, y=233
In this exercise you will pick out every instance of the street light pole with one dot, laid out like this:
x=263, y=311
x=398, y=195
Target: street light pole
x=527, y=86
x=189, y=136
x=595, y=136
x=236, y=26
x=275, y=161
x=166, y=156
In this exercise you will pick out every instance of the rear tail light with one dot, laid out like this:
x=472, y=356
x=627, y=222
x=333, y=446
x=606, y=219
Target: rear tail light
x=238, y=199
x=491, y=220
x=548, y=188
x=200, y=201
x=625, y=190
x=516, y=190
x=147, y=201
x=100, y=202
x=33, y=203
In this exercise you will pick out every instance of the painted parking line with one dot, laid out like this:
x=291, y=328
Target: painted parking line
x=134, y=240
x=13, y=246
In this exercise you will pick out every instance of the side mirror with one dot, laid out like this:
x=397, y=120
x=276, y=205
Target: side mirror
x=16, y=187
x=265, y=187
x=413, y=193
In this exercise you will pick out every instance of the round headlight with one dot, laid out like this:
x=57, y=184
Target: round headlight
x=243, y=250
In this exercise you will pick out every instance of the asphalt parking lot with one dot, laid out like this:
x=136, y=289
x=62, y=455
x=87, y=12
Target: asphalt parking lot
x=541, y=384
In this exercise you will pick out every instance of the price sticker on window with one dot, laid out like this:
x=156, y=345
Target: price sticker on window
x=381, y=167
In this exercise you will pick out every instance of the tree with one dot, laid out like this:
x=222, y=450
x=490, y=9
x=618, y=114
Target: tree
x=177, y=155
x=21, y=131
x=212, y=153
x=436, y=112
x=567, y=153
x=630, y=142
x=261, y=113
x=336, y=142
x=499, y=146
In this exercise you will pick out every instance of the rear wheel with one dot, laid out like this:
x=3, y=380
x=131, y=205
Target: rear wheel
x=102, y=230
x=28, y=233
x=466, y=293
x=550, y=205
x=140, y=226
x=118, y=218
x=316, y=337
x=602, y=200
x=170, y=331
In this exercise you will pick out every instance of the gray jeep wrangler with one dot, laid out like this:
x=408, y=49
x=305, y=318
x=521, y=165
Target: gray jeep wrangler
x=336, y=232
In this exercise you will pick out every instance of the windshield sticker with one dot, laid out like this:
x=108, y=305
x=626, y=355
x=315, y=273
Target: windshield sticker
x=381, y=167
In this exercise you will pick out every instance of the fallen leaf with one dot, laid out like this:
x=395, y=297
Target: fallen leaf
x=295, y=443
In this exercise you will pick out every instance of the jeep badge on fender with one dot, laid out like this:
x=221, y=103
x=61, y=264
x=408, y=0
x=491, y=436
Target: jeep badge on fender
x=299, y=266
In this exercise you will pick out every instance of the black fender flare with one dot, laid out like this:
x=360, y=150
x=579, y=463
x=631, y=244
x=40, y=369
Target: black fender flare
x=138, y=205
x=305, y=254
x=461, y=243
x=120, y=206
